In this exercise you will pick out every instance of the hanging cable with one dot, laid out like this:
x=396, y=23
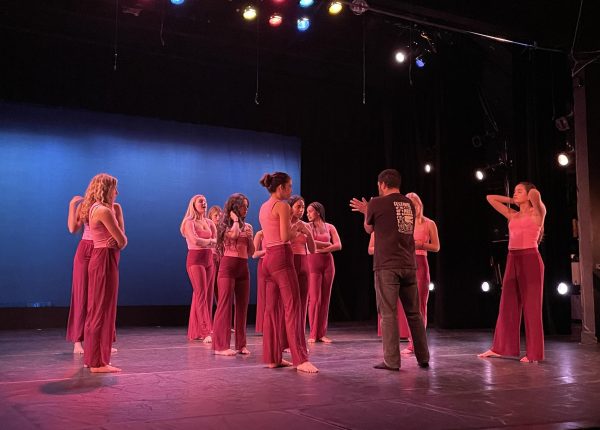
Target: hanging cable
x=116, y=43
x=364, y=63
x=162, y=22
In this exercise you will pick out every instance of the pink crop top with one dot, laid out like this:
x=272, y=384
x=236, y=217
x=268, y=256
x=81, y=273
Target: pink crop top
x=87, y=234
x=98, y=231
x=269, y=224
x=193, y=233
x=523, y=233
x=421, y=233
x=299, y=244
x=237, y=247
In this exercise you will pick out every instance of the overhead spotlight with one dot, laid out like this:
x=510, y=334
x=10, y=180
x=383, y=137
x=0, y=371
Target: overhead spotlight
x=485, y=286
x=562, y=288
x=275, y=20
x=358, y=7
x=428, y=167
x=400, y=56
x=177, y=2
x=420, y=61
x=306, y=3
x=303, y=23
x=431, y=286
x=335, y=7
x=249, y=13
x=479, y=174
x=563, y=159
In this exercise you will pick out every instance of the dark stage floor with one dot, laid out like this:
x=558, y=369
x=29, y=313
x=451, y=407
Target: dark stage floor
x=169, y=383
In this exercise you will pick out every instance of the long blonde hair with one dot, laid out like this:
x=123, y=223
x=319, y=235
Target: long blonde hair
x=191, y=213
x=419, y=201
x=99, y=190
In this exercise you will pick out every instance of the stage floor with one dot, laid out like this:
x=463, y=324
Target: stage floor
x=170, y=383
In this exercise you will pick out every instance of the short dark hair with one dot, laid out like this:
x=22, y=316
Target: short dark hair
x=390, y=177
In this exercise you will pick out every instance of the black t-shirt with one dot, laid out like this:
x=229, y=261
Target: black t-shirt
x=393, y=219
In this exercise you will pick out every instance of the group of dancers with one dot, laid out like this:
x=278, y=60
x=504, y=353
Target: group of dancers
x=296, y=271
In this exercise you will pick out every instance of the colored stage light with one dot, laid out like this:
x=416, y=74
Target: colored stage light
x=485, y=286
x=562, y=288
x=249, y=13
x=177, y=2
x=275, y=20
x=420, y=61
x=306, y=3
x=303, y=23
x=400, y=56
x=335, y=8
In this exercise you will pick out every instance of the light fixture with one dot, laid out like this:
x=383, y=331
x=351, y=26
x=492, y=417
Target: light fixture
x=563, y=159
x=306, y=3
x=420, y=61
x=479, y=174
x=335, y=7
x=275, y=20
x=562, y=288
x=431, y=286
x=249, y=13
x=177, y=2
x=428, y=167
x=400, y=56
x=358, y=7
x=303, y=23
x=485, y=286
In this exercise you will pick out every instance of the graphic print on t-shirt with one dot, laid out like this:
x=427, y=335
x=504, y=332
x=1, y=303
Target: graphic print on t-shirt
x=404, y=217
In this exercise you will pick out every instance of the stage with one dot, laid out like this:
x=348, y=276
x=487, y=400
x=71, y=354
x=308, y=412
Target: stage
x=170, y=383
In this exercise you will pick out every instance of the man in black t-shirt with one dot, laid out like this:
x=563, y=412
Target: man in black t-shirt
x=392, y=217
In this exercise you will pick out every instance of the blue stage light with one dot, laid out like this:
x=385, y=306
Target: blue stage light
x=303, y=24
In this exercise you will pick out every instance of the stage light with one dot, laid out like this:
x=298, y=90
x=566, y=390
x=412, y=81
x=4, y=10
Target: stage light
x=306, y=3
x=564, y=159
x=335, y=8
x=485, y=286
x=249, y=13
x=177, y=2
x=562, y=288
x=479, y=175
x=400, y=56
x=275, y=20
x=428, y=167
x=303, y=23
x=358, y=7
x=431, y=286
x=420, y=61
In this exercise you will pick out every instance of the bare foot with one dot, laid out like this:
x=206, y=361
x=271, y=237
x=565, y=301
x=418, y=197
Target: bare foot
x=227, y=352
x=307, y=367
x=325, y=339
x=105, y=369
x=527, y=360
x=287, y=351
x=244, y=351
x=284, y=363
x=311, y=341
x=488, y=354
x=207, y=339
x=113, y=350
x=407, y=351
x=77, y=348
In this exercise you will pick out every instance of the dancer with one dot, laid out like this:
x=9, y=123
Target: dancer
x=79, y=288
x=426, y=240
x=302, y=244
x=214, y=214
x=523, y=283
x=391, y=216
x=322, y=271
x=234, y=243
x=259, y=252
x=275, y=216
x=200, y=234
x=103, y=274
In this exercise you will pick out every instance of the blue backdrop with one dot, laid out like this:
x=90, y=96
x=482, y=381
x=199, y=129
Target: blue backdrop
x=49, y=155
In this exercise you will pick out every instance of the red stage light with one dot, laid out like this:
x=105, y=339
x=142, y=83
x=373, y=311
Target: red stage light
x=275, y=20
